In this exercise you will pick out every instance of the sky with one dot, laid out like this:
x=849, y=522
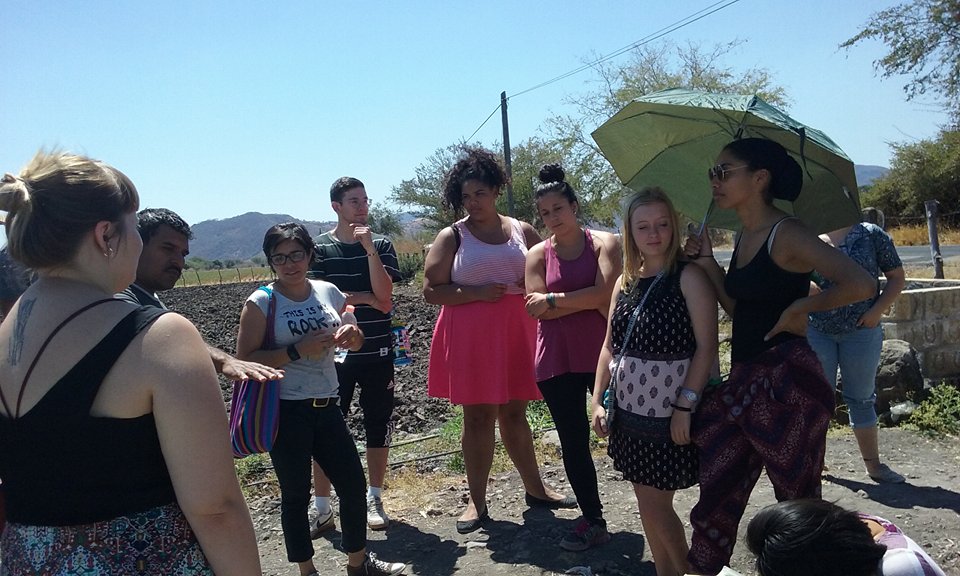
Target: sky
x=217, y=108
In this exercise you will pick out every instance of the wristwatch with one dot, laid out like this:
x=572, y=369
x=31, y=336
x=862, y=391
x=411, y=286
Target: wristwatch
x=292, y=353
x=689, y=394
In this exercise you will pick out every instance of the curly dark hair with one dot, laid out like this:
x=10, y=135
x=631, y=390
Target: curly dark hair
x=150, y=219
x=476, y=164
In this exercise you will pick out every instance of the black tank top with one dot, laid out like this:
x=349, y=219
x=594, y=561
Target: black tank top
x=61, y=467
x=763, y=291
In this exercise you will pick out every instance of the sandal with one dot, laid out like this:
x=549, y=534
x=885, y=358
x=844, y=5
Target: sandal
x=886, y=475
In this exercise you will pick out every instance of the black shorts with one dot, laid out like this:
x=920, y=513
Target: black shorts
x=376, y=398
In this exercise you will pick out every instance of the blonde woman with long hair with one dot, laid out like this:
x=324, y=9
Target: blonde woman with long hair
x=663, y=322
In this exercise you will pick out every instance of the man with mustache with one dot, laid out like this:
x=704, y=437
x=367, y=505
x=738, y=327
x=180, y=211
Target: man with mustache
x=166, y=244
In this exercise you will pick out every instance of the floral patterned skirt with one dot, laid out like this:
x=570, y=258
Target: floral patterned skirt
x=157, y=541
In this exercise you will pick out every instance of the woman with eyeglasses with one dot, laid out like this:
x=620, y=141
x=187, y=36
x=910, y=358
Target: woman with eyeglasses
x=773, y=410
x=304, y=330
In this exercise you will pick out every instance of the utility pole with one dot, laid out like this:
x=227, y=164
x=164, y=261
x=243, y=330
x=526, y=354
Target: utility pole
x=508, y=165
x=933, y=209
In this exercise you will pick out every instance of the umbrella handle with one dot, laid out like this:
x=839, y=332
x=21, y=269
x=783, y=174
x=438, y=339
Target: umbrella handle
x=703, y=224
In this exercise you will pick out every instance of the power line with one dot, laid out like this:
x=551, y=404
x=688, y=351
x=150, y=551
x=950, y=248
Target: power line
x=647, y=39
x=482, y=124
x=699, y=15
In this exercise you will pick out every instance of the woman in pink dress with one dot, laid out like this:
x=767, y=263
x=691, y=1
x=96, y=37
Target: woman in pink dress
x=482, y=354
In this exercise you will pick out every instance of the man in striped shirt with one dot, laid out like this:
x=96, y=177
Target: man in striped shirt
x=364, y=266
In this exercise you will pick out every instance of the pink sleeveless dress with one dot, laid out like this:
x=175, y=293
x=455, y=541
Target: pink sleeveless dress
x=483, y=352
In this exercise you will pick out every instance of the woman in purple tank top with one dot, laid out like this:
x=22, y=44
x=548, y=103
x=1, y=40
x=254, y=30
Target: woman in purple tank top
x=569, y=279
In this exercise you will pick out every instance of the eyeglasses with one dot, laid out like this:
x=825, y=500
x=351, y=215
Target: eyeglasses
x=279, y=259
x=720, y=172
x=358, y=202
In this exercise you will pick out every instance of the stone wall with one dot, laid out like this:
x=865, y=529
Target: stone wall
x=929, y=319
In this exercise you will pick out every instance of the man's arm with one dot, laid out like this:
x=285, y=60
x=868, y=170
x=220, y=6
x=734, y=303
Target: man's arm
x=381, y=283
x=241, y=369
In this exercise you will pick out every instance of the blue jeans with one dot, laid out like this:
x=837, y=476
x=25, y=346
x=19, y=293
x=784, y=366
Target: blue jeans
x=857, y=354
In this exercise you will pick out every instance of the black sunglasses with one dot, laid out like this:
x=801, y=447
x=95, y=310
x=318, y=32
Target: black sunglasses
x=720, y=172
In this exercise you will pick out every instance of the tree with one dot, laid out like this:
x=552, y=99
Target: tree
x=649, y=69
x=923, y=38
x=920, y=171
x=422, y=193
x=384, y=220
x=566, y=139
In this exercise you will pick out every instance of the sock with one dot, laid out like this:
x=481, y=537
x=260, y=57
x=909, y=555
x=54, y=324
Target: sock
x=374, y=491
x=322, y=503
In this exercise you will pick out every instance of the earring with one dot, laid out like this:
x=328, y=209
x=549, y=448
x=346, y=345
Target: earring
x=109, y=253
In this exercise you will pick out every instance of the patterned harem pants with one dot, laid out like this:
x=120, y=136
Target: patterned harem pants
x=773, y=411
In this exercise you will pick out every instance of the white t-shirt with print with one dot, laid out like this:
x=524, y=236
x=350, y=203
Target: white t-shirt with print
x=319, y=312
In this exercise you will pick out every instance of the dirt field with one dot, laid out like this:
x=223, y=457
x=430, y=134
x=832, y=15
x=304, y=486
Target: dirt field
x=523, y=542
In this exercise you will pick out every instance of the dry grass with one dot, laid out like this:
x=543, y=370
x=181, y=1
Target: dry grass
x=917, y=235
x=951, y=270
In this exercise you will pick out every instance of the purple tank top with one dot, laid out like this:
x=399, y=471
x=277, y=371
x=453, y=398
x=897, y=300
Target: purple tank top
x=570, y=344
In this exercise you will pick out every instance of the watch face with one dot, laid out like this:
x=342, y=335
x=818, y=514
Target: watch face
x=689, y=395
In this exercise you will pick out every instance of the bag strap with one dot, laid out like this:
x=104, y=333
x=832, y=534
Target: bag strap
x=26, y=378
x=456, y=235
x=630, y=325
x=270, y=340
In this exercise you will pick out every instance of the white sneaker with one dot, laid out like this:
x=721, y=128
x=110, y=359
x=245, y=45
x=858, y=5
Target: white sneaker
x=377, y=519
x=324, y=523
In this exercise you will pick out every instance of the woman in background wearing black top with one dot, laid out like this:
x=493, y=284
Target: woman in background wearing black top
x=774, y=409
x=114, y=449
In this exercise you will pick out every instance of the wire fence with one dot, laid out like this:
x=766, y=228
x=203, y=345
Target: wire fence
x=195, y=277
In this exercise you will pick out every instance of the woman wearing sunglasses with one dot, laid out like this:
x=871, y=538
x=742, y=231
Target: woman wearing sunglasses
x=774, y=408
x=305, y=328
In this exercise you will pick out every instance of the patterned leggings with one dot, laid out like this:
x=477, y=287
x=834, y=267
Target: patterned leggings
x=773, y=411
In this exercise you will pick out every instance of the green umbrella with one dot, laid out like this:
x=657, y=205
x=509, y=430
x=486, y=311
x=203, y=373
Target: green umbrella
x=672, y=137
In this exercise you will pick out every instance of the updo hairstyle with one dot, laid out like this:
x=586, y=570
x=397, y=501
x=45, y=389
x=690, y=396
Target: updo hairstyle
x=786, y=177
x=552, y=180
x=57, y=199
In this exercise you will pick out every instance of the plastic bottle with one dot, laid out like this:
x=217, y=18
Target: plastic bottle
x=348, y=317
x=401, y=343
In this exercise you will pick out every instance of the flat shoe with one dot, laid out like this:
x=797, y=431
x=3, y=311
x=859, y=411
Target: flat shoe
x=885, y=475
x=565, y=502
x=468, y=526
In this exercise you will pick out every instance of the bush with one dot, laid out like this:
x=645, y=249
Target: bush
x=410, y=263
x=938, y=415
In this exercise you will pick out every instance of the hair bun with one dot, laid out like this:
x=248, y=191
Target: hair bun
x=789, y=181
x=551, y=173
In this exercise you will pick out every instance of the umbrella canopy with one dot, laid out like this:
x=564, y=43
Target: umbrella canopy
x=671, y=138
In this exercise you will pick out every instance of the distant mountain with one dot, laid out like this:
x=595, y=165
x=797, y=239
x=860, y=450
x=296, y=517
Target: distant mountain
x=867, y=174
x=241, y=237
